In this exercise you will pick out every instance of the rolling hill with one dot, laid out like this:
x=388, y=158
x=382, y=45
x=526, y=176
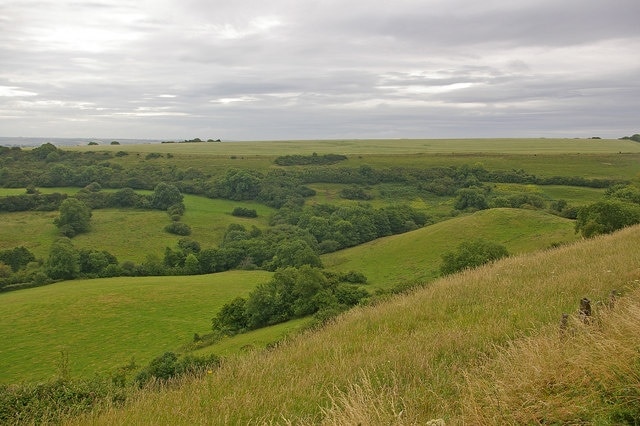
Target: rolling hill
x=435, y=353
x=416, y=256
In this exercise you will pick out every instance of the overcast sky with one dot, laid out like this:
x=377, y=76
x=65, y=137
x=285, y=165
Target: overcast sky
x=319, y=69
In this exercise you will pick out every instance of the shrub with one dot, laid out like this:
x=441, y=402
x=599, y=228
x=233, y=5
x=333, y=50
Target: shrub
x=471, y=254
x=605, y=217
x=244, y=212
x=168, y=366
x=178, y=228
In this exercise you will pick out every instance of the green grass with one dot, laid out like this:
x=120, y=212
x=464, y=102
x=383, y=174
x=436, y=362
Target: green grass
x=128, y=312
x=103, y=323
x=33, y=230
x=416, y=256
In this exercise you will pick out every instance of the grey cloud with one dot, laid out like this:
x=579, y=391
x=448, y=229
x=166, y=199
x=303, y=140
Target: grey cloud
x=291, y=69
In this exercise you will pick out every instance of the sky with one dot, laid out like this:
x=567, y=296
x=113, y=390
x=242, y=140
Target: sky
x=319, y=69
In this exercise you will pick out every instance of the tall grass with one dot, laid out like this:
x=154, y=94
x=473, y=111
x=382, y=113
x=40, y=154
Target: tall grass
x=590, y=373
x=407, y=360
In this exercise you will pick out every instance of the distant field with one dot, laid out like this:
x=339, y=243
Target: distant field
x=101, y=324
x=382, y=146
x=543, y=157
x=573, y=195
x=416, y=256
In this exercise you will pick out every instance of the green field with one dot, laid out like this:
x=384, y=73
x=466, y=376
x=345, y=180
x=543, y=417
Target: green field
x=544, y=157
x=410, y=354
x=103, y=323
x=129, y=234
x=416, y=256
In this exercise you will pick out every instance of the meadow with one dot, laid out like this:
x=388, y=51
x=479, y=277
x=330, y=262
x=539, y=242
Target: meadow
x=416, y=256
x=102, y=324
x=382, y=147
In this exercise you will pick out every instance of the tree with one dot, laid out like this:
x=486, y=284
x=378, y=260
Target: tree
x=471, y=254
x=295, y=253
x=191, y=265
x=64, y=261
x=165, y=195
x=17, y=258
x=125, y=197
x=232, y=318
x=605, y=217
x=74, y=217
x=470, y=198
x=178, y=228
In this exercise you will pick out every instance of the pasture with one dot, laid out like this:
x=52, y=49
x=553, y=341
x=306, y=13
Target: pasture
x=102, y=324
x=592, y=158
x=381, y=147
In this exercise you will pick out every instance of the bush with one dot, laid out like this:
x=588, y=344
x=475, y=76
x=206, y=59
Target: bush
x=178, y=228
x=49, y=402
x=244, y=212
x=168, y=366
x=605, y=217
x=471, y=254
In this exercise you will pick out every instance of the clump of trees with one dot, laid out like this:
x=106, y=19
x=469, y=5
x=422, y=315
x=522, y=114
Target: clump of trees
x=291, y=293
x=244, y=212
x=471, y=254
x=306, y=160
x=336, y=227
x=75, y=217
x=635, y=138
x=619, y=209
x=606, y=216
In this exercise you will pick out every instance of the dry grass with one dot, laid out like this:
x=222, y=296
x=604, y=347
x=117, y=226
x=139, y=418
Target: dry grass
x=412, y=358
x=588, y=374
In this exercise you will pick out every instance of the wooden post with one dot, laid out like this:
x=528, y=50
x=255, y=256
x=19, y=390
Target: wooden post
x=564, y=322
x=585, y=310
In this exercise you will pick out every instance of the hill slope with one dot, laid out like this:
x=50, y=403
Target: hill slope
x=416, y=256
x=407, y=360
x=102, y=323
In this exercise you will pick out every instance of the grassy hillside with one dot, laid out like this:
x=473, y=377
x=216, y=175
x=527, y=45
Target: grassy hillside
x=416, y=256
x=434, y=354
x=103, y=323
